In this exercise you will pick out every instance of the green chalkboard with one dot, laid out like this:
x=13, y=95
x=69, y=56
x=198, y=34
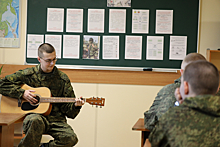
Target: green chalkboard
x=185, y=23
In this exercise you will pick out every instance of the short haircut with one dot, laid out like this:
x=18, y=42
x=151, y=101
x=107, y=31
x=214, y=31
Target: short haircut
x=202, y=76
x=192, y=57
x=45, y=47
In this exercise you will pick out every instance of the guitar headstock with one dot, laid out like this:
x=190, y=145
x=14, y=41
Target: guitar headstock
x=96, y=101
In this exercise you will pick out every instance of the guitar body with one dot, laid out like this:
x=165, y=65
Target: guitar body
x=10, y=105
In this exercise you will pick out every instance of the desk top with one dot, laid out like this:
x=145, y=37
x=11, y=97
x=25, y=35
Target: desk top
x=139, y=125
x=9, y=118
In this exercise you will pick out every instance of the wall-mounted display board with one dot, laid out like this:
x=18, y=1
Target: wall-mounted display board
x=145, y=21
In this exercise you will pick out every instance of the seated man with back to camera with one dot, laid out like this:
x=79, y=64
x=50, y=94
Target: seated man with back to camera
x=165, y=98
x=195, y=122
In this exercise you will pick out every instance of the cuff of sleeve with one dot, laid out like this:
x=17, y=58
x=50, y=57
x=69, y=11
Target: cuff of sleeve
x=21, y=93
x=78, y=107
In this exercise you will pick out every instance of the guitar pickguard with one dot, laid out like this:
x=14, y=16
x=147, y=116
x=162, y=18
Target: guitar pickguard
x=26, y=106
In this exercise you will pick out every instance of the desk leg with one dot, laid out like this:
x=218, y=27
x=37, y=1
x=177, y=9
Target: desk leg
x=7, y=136
x=144, y=136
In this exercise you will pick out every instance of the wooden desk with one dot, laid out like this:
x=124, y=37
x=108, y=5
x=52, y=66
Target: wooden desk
x=139, y=126
x=7, y=121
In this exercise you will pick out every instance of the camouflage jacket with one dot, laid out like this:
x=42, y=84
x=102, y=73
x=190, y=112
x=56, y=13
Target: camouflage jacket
x=196, y=122
x=164, y=100
x=57, y=81
x=93, y=51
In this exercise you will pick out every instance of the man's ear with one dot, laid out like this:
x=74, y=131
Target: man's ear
x=181, y=71
x=186, y=88
x=38, y=58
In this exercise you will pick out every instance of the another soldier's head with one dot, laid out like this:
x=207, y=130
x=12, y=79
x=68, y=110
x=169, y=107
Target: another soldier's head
x=190, y=58
x=47, y=57
x=199, y=78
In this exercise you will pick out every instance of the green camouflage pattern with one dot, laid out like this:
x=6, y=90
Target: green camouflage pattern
x=163, y=101
x=58, y=83
x=34, y=125
x=196, y=122
x=93, y=51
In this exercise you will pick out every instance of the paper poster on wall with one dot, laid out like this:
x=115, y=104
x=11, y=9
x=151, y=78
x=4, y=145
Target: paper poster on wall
x=140, y=21
x=33, y=42
x=71, y=46
x=133, y=47
x=164, y=21
x=91, y=46
x=178, y=47
x=117, y=20
x=55, y=17
x=74, y=20
x=96, y=20
x=55, y=41
x=9, y=42
x=118, y=3
x=110, y=48
x=155, y=47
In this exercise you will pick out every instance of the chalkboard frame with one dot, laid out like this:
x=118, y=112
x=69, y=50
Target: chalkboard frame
x=185, y=23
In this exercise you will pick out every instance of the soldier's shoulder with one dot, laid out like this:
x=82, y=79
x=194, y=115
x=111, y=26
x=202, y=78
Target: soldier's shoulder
x=168, y=89
x=26, y=71
x=63, y=76
x=29, y=71
x=171, y=114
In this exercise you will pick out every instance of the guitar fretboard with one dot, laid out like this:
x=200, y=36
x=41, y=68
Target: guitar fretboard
x=56, y=100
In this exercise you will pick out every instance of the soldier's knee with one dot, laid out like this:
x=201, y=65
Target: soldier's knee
x=73, y=140
x=34, y=121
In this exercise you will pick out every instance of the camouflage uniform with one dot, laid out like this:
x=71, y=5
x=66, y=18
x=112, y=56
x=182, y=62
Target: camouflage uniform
x=55, y=123
x=196, y=122
x=93, y=51
x=164, y=100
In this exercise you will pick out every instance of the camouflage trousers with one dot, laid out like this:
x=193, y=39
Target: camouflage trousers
x=34, y=125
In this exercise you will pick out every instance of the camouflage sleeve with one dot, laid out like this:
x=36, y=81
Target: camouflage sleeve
x=163, y=101
x=11, y=85
x=69, y=109
x=158, y=137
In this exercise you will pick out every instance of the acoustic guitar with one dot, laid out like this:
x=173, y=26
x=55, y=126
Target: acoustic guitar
x=44, y=106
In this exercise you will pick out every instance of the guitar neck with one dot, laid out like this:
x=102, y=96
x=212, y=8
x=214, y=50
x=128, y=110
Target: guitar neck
x=92, y=100
x=57, y=100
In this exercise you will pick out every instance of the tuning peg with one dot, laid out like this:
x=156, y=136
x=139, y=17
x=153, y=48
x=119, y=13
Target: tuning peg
x=100, y=106
x=96, y=106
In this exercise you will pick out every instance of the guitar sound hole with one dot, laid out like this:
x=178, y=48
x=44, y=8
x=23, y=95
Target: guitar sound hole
x=38, y=100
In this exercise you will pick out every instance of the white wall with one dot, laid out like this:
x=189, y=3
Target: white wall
x=111, y=125
x=210, y=25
